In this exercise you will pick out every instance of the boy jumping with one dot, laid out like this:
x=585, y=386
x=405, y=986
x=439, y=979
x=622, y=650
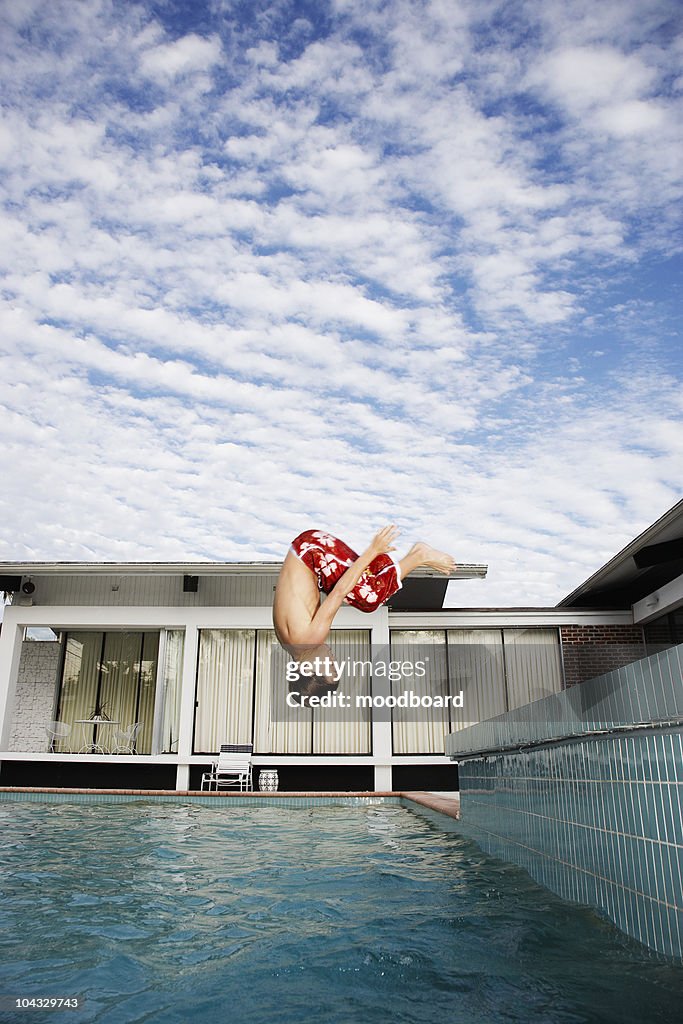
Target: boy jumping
x=317, y=561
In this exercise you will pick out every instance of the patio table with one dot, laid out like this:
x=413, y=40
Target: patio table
x=93, y=747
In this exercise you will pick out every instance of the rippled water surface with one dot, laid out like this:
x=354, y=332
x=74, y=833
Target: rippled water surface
x=167, y=913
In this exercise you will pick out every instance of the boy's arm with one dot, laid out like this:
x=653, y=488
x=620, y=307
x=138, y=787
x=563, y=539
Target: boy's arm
x=382, y=542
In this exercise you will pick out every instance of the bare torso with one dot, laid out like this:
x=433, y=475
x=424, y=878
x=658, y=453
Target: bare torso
x=296, y=601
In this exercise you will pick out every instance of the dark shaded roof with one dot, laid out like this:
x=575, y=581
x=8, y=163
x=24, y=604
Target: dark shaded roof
x=647, y=563
x=420, y=595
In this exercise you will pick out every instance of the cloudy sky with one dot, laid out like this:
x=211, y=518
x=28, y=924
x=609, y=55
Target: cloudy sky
x=269, y=265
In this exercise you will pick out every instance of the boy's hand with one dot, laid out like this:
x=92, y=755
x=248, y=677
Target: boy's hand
x=383, y=541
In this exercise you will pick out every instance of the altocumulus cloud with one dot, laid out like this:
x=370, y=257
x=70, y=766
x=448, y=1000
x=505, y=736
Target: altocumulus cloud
x=341, y=263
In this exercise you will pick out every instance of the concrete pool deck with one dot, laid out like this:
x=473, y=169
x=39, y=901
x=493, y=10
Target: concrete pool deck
x=444, y=803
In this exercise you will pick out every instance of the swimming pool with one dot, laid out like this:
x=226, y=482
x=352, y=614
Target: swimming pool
x=183, y=913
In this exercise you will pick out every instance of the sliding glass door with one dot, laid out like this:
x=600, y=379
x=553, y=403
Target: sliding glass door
x=225, y=688
x=111, y=676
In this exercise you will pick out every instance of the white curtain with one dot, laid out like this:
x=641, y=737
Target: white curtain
x=128, y=685
x=79, y=685
x=225, y=688
x=170, y=691
x=279, y=729
x=496, y=669
x=347, y=731
x=533, y=665
x=477, y=667
x=420, y=730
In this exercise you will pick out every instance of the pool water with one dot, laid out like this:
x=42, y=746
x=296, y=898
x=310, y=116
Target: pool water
x=174, y=913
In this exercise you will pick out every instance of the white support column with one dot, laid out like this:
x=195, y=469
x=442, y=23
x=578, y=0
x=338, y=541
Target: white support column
x=10, y=654
x=187, y=703
x=381, y=731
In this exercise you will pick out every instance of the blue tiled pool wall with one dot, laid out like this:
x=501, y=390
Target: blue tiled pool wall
x=649, y=690
x=237, y=802
x=597, y=820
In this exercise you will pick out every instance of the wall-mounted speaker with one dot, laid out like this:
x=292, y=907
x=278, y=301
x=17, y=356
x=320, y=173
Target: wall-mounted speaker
x=10, y=584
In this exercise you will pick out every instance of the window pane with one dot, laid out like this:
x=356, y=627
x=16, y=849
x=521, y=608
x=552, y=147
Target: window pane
x=127, y=686
x=148, y=678
x=279, y=728
x=80, y=679
x=113, y=675
x=225, y=688
x=347, y=731
x=423, y=730
x=532, y=664
x=476, y=666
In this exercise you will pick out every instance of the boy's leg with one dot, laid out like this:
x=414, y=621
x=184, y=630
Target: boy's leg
x=422, y=554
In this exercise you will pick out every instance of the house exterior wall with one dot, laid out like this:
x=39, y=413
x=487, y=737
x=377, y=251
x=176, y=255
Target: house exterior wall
x=192, y=620
x=591, y=650
x=150, y=591
x=187, y=612
x=35, y=696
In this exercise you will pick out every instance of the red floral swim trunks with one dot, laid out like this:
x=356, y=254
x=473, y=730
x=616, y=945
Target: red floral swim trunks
x=329, y=558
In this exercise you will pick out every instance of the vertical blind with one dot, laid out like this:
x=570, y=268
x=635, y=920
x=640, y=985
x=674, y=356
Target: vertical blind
x=533, y=664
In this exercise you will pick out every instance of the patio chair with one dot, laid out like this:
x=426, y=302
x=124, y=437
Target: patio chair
x=57, y=731
x=240, y=748
x=233, y=768
x=125, y=739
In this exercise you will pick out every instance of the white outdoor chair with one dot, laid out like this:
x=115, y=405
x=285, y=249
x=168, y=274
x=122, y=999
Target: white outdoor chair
x=240, y=748
x=125, y=739
x=57, y=731
x=233, y=768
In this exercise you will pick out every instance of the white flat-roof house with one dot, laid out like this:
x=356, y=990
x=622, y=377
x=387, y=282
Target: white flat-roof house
x=132, y=675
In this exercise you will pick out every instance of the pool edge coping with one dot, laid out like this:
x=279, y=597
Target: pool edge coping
x=444, y=805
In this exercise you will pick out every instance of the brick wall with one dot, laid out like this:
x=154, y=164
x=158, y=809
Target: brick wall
x=589, y=651
x=36, y=692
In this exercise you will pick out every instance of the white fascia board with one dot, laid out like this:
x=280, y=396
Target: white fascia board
x=145, y=617
x=151, y=617
x=36, y=569
x=140, y=568
x=467, y=618
x=659, y=602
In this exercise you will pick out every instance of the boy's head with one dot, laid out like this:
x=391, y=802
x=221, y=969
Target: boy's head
x=316, y=673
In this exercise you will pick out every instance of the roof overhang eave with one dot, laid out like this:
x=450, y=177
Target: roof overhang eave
x=465, y=571
x=620, y=560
